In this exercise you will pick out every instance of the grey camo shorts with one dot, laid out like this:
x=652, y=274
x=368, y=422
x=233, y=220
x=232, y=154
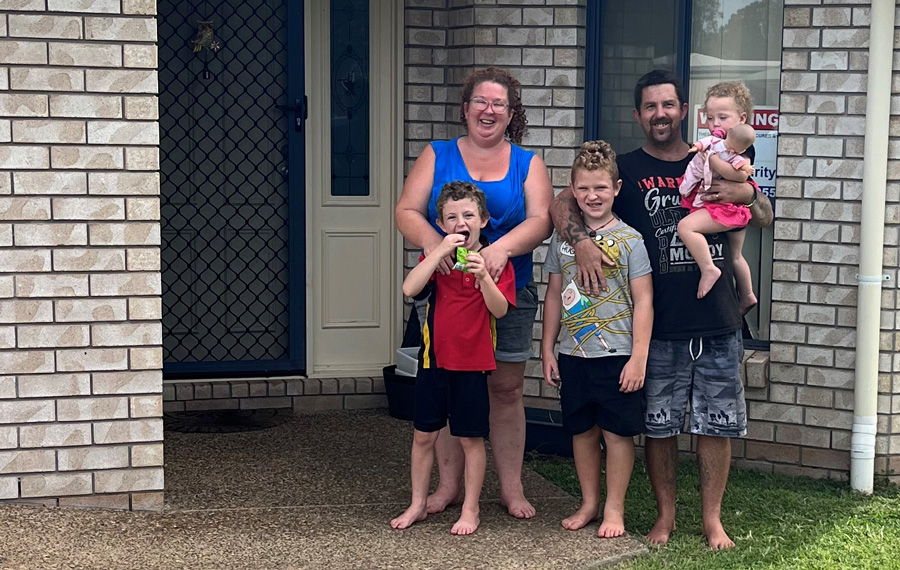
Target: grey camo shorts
x=703, y=371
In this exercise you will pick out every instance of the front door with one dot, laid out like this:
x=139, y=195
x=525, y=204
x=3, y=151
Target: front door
x=354, y=65
x=232, y=154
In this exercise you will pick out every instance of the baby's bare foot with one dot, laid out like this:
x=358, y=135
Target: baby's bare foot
x=584, y=515
x=708, y=278
x=747, y=302
x=411, y=516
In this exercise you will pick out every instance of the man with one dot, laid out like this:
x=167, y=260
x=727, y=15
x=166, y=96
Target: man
x=696, y=349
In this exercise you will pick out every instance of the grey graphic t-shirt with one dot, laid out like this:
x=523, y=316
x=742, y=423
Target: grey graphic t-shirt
x=599, y=326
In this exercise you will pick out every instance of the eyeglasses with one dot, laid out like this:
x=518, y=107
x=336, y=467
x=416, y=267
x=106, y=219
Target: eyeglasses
x=480, y=105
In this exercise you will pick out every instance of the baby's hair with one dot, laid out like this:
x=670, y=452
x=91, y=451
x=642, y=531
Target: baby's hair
x=459, y=190
x=737, y=91
x=596, y=155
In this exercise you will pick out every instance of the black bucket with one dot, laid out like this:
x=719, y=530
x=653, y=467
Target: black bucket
x=401, y=393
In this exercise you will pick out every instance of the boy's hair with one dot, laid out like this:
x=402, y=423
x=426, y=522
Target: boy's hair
x=515, y=130
x=658, y=77
x=596, y=155
x=460, y=191
x=737, y=91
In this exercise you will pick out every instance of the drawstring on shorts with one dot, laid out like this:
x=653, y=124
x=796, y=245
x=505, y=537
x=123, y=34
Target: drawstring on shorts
x=699, y=350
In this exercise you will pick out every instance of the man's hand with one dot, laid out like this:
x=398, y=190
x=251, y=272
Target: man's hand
x=590, y=261
x=726, y=191
x=632, y=377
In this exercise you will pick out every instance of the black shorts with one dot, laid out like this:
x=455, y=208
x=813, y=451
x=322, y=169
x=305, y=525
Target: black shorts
x=461, y=397
x=589, y=395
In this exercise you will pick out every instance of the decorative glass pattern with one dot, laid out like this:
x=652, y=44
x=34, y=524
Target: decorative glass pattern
x=224, y=180
x=350, y=98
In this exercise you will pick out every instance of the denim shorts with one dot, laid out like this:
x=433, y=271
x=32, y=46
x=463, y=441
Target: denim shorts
x=514, y=330
x=703, y=371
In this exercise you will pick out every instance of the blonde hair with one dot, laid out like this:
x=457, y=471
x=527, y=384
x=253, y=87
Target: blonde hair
x=737, y=91
x=458, y=190
x=596, y=155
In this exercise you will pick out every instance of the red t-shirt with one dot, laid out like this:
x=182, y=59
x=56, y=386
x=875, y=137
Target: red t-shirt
x=460, y=332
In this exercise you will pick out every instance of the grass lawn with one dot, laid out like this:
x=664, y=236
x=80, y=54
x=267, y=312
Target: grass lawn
x=777, y=522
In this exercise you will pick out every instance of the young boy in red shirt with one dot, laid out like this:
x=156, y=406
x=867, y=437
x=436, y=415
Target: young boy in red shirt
x=457, y=349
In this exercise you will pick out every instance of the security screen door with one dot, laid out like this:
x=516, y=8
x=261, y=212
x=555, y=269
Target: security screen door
x=232, y=174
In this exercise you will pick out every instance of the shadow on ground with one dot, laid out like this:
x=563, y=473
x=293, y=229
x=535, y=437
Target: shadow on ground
x=315, y=492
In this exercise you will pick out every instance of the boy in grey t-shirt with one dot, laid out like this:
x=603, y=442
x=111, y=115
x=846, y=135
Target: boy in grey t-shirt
x=603, y=349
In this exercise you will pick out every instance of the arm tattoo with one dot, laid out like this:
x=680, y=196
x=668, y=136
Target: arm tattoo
x=568, y=220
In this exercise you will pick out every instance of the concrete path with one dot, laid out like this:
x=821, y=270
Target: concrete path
x=316, y=492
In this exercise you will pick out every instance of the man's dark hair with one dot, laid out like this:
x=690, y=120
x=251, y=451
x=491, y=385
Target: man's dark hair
x=658, y=77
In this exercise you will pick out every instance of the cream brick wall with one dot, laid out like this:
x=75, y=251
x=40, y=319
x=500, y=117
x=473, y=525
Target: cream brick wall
x=80, y=331
x=817, y=248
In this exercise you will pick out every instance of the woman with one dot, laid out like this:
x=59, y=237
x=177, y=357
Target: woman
x=518, y=192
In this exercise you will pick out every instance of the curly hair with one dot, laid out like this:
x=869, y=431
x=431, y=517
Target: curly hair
x=458, y=190
x=596, y=155
x=516, y=129
x=737, y=91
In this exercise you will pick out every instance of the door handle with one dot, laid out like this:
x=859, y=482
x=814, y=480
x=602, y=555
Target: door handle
x=300, y=111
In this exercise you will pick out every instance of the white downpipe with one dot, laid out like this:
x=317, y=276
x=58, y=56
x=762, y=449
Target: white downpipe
x=871, y=246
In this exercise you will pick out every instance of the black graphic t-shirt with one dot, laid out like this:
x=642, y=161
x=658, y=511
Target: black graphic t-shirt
x=649, y=202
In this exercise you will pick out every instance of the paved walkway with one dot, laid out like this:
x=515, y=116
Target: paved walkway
x=316, y=492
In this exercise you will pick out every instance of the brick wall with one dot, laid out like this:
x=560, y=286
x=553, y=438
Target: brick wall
x=80, y=331
x=805, y=415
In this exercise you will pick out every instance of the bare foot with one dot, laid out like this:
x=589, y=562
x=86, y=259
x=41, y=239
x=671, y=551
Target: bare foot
x=519, y=507
x=717, y=538
x=411, y=516
x=611, y=528
x=708, y=278
x=747, y=302
x=584, y=515
x=440, y=500
x=659, y=534
x=467, y=524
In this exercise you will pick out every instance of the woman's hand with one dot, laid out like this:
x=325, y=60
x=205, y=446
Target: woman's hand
x=495, y=260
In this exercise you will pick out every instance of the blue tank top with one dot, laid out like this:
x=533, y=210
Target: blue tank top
x=505, y=198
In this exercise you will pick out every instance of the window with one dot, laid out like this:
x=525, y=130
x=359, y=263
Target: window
x=705, y=42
